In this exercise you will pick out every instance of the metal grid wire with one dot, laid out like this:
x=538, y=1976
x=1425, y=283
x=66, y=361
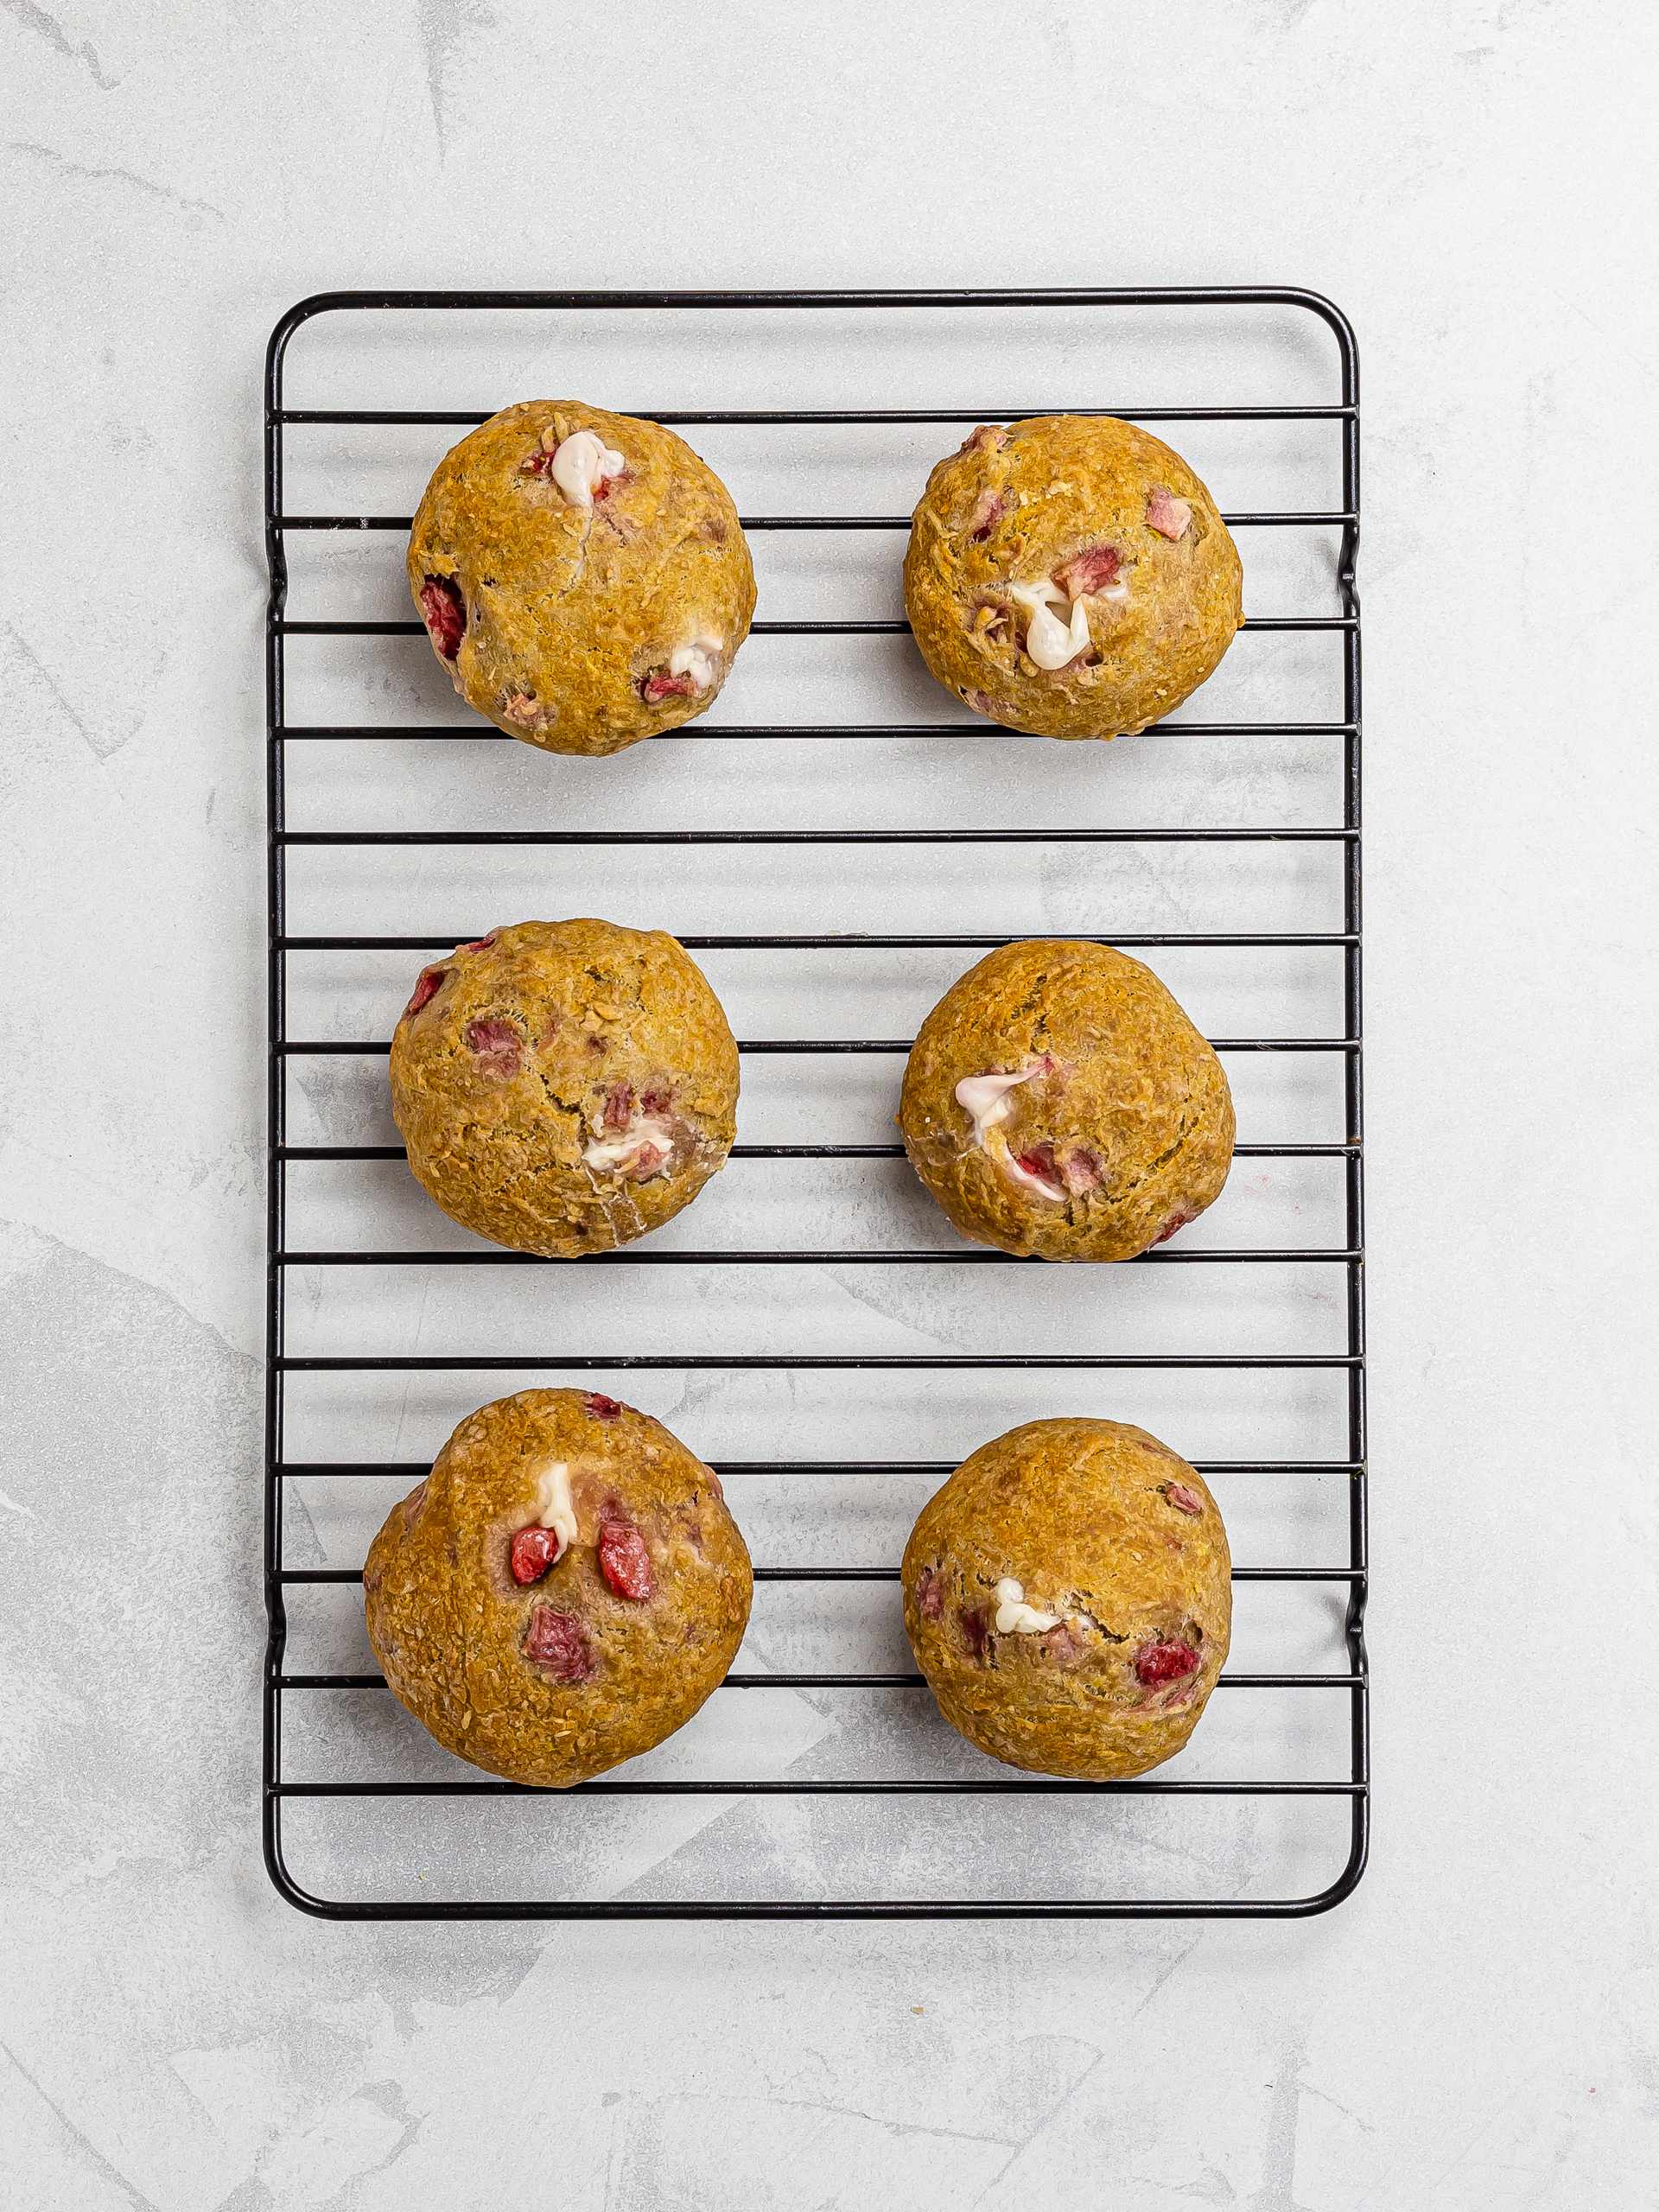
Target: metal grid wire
x=284, y=1581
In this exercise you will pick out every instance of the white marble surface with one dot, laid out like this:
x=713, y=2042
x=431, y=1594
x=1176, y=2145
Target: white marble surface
x=1479, y=2026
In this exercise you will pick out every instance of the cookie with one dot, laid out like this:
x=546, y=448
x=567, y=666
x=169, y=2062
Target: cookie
x=582, y=576
x=563, y=1590
x=564, y=1087
x=1068, y=1597
x=1058, y=1103
x=1070, y=575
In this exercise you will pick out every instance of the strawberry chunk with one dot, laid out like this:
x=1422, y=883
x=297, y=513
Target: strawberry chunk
x=990, y=511
x=1169, y=516
x=425, y=989
x=1090, y=570
x=555, y=1642
x=619, y=1106
x=1080, y=1171
x=444, y=613
x=534, y=1550
x=623, y=1561
x=661, y=685
x=497, y=1048
x=601, y=1407
x=1182, y=1499
x=1157, y=1664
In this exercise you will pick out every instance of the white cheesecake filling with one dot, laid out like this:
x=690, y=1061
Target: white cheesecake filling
x=985, y=1099
x=581, y=464
x=696, y=660
x=1013, y=1616
x=1048, y=640
x=554, y=1506
x=606, y=1154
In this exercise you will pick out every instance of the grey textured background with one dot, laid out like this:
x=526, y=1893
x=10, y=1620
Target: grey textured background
x=1480, y=2025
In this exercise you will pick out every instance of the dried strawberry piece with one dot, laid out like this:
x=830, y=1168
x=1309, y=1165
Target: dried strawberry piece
x=1182, y=1499
x=555, y=1642
x=535, y=464
x=425, y=989
x=1080, y=1171
x=990, y=437
x=646, y=1162
x=482, y=944
x=1040, y=1161
x=601, y=1407
x=1090, y=571
x=1170, y=517
x=1155, y=1663
x=607, y=484
x=661, y=685
x=1179, y=1219
x=534, y=1550
x=496, y=1047
x=974, y=1622
x=623, y=1561
x=990, y=511
x=444, y=614
x=619, y=1106
x=930, y=1594
x=657, y=1100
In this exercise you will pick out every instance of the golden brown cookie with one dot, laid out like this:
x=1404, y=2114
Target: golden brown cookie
x=582, y=576
x=562, y=1591
x=1070, y=575
x=563, y=1087
x=1068, y=1596
x=1057, y=1102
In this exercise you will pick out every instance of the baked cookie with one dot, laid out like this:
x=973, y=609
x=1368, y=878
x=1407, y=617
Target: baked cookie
x=1068, y=1596
x=562, y=1591
x=581, y=576
x=1070, y=575
x=1057, y=1102
x=563, y=1087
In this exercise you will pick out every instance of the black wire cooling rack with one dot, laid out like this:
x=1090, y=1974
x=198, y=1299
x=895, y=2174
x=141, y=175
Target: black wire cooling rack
x=286, y=1583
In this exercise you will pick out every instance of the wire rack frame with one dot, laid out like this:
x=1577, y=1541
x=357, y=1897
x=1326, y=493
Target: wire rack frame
x=1350, y=1363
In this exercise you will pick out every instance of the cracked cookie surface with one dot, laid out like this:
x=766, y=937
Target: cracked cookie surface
x=564, y=1087
x=1057, y=1102
x=1090, y=516
x=550, y=1673
x=1102, y=1665
x=582, y=576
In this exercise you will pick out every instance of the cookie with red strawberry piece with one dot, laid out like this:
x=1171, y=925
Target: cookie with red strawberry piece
x=582, y=576
x=563, y=1590
x=1070, y=575
x=1058, y=1103
x=564, y=1087
x=1068, y=1596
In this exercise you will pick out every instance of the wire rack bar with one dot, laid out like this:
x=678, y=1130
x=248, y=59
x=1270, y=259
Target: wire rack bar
x=290, y=1152
x=1339, y=513
x=414, y=1470
x=748, y=523
x=717, y=732
x=354, y=1574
